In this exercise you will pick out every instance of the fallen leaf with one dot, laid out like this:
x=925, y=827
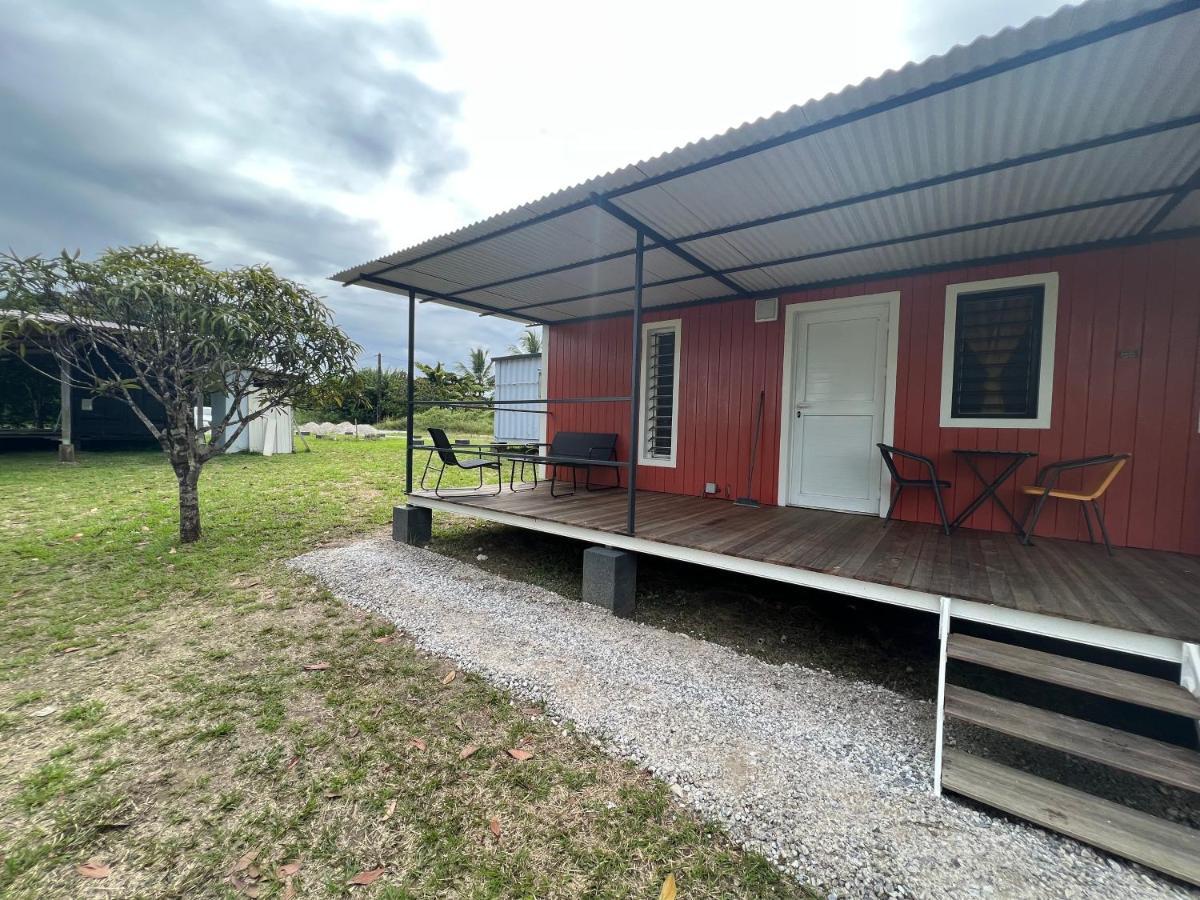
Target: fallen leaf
x=332, y=795
x=468, y=751
x=287, y=870
x=494, y=825
x=449, y=677
x=172, y=550
x=419, y=744
x=145, y=528
x=245, y=886
x=386, y=639
x=44, y=711
x=668, y=889
x=72, y=649
x=253, y=872
x=532, y=711
x=93, y=869
x=519, y=754
x=291, y=763
x=244, y=861
x=289, y=891
x=79, y=535
x=368, y=877
x=316, y=667
x=391, y=811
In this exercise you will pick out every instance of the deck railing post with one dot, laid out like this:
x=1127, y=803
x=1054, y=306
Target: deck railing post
x=635, y=383
x=939, y=726
x=408, y=428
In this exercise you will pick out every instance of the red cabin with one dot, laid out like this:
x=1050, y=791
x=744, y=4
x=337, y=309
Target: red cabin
x=988, y=263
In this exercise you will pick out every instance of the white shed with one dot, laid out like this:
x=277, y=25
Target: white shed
x=519, y=377
x=268, y=434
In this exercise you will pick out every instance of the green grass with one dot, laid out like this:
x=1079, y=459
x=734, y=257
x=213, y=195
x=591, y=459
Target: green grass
x=155, y=712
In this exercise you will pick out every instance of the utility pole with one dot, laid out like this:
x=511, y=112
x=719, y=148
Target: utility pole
x=378, y=387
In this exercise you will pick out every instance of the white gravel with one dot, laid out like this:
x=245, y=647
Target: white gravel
x=826, y=776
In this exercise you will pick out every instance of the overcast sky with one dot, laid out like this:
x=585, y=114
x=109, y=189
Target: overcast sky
x=317, y=134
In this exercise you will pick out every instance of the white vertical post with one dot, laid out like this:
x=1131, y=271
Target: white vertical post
x=1189, y=673
x=66, y=447
x=939, y=728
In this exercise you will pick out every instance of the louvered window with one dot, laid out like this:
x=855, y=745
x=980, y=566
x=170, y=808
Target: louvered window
x=998, y=354
x=660, y=350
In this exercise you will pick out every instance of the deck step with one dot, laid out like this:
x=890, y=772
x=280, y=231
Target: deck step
x=1103, y=681
x=1154, y=842
x=1143, y=756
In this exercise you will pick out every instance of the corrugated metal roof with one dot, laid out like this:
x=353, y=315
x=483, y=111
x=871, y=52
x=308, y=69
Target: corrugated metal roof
x=1116, y=76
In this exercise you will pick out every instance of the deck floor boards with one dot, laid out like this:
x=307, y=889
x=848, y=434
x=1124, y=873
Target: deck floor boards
x=1145, y=591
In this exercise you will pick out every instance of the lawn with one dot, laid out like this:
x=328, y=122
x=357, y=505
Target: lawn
x=197, y=720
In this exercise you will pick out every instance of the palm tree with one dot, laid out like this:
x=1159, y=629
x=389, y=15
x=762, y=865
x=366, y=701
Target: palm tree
x=528, y=342
x=479, y=368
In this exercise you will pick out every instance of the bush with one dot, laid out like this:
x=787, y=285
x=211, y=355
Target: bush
x=456, y=421
x=466, y=421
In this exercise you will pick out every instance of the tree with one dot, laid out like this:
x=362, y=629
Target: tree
x=150, y=323
x=479, y=368
x=529, y=342
x=442, y=384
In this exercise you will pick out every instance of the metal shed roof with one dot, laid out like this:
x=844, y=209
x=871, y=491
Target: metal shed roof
x=1079, y=129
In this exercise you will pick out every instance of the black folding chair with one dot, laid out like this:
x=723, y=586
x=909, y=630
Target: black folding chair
x=900, y=482
x=445, y=452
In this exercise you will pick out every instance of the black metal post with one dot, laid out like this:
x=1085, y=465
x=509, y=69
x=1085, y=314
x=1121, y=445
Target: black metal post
x=635, y=384
x=408, y=450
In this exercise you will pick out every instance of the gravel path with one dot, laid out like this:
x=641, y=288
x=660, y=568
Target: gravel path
x=827, y=777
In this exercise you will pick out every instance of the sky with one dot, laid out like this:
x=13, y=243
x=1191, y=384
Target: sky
x=314, y=135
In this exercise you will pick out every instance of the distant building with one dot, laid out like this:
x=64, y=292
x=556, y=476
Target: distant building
x=519, y=377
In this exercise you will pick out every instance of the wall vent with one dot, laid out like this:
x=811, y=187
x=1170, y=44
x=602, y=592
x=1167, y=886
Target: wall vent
x=766, y=310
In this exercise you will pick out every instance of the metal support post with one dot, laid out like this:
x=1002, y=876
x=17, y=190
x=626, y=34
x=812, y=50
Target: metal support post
x=635, y=383
x=408, y=447
x=939, y=728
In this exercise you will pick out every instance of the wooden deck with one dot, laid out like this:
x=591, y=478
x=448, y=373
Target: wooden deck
x=1141, y=591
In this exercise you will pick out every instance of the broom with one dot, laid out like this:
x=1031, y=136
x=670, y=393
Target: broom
x=748, y=500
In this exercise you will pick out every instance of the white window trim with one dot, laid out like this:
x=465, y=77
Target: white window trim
x=644, y=459
x=1049, y=281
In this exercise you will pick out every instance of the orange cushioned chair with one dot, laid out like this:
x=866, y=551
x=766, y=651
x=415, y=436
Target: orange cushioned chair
x=1045, y=488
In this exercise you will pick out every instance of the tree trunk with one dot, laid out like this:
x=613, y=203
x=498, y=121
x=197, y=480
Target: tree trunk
x=189, y=505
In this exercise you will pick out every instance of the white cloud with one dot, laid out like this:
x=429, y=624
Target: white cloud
x=317, y=134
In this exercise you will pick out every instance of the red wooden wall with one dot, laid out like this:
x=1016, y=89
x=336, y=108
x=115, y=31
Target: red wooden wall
x=1144, y=298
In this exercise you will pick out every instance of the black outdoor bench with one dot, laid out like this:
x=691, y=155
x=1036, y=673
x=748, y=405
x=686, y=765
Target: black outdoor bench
x=572, y=450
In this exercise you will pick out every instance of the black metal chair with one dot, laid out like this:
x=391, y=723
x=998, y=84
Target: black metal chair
x=445, y=452
x=900, y=482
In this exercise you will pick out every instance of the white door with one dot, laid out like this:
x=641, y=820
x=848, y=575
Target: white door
x=839, y=362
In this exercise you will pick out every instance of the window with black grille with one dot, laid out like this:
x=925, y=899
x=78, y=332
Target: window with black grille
x=659, y=421
x=998, y=353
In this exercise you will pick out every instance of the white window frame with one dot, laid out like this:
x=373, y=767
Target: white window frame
x=1049, y=282
x=644, y=459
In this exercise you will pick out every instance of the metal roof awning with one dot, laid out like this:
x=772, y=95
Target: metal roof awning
x=1081, y=129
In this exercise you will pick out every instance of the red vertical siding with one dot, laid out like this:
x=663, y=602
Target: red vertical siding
x=1126, y=378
